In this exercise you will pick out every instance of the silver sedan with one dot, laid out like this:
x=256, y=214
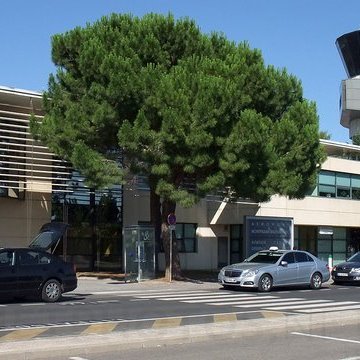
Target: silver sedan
x=274, y=267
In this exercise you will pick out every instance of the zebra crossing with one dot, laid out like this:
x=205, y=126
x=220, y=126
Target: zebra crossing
x=248, y=301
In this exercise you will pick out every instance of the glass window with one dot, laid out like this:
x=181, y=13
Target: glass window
x=356, y=194
x=327, y=177
x=6, y=258
x=289, y=258
x=355, y=181
x=264, y=258
x=301, y=257
x=142, y=182
x=339, y=233
x=235, y=231
x=343, y=179
x=326, y=190
x=45, y=259
x=355, y=257
x=189, y=230
x=179, y=231
x=343, y=192
x=339, y=246
x=324, y=246
x=236, y=241
x=186, y=237
x=28, y=258
x=235, y=245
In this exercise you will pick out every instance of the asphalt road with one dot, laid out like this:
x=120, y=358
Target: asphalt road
x=113, y=319
x=326, y=343
x=332, y=343
x=146, y=307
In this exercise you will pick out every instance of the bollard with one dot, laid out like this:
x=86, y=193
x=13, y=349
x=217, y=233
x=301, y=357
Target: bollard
x=330, y=262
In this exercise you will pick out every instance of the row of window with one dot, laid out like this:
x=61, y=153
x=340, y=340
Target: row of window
x=338, y=185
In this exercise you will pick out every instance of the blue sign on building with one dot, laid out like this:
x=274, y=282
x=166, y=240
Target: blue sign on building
x=263, y=232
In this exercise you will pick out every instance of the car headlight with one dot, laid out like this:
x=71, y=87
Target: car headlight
x=334, y=268
x=250, y=273
x=355, y=270
x=222, y=272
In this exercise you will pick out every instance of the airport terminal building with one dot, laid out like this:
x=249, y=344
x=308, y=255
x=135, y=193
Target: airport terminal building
x=37, y=187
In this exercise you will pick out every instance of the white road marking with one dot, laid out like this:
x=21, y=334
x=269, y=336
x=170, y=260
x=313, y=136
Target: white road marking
x=140, y=292
x=333, y=308
x=282, y=302
x=76, y=358
x=326, y=337
x=229, y=301
x=291, y=307
x=205, y=298
x=180, y=294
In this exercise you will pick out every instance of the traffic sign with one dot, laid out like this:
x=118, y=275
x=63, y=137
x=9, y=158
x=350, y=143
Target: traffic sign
x=171, y=219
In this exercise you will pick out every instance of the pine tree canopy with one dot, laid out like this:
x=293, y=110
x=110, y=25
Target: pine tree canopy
x=183, y=106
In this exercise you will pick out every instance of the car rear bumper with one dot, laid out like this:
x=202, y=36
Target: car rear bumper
x=69, y=285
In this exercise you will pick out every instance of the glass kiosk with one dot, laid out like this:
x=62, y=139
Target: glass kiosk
x=139, y=253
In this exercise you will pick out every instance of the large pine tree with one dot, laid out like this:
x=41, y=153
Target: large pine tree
x=184, y=107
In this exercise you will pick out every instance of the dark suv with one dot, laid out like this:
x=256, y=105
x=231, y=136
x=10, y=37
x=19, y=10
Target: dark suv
x=33, y=271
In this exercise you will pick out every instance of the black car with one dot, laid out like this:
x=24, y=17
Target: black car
x=348, y=271
x=35, y=272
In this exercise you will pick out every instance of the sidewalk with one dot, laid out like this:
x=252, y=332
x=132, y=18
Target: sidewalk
x=107, y=282
x=90, y=283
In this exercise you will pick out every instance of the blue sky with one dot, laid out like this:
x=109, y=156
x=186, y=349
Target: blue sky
x=296, y=34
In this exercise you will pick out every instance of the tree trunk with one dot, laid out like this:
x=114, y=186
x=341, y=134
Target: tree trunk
x=92, y=219
x=169, y=207
x=155, y=219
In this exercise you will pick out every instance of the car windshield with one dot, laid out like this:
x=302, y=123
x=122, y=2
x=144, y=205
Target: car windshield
x=355, y=257
x=269, y=257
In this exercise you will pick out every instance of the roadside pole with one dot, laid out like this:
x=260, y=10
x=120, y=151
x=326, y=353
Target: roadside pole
x=172, y=226
x=170, y=275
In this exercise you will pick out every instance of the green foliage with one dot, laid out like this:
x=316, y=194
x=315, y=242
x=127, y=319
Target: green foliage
x=184, y=106
x=324, y=135
x=356, y=139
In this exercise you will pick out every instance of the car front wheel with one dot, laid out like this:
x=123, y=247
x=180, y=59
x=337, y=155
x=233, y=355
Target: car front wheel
x=265, y=283
x=51, y=291
x=316, y=281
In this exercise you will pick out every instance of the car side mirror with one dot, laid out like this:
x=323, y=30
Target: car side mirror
x=284, y=263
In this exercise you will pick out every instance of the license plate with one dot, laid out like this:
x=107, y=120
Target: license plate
x=342, y=274
x=230, y=280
